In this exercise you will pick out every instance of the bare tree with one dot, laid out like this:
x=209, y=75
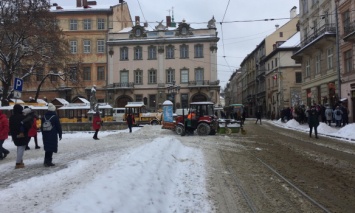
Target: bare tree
x=30, y=40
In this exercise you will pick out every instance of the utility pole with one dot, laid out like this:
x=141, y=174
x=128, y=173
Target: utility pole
x=337, y=47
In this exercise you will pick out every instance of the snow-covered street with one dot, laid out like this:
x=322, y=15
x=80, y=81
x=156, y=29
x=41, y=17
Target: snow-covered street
x=139, y=172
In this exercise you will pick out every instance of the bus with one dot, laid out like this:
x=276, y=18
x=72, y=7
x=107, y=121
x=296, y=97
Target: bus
x=141, y=114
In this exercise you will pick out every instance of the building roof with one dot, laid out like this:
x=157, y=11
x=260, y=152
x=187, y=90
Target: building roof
x=293, y=41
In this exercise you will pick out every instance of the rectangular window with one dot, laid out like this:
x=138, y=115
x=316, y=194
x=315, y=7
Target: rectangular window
x=170, y=52
x=73, y=24
x=199, y=51
x=124, y=53
x=152, y=76
x=100, y=46
x=73, y=74
x=275, y=62
x=124, y=78
x=87, y=46
x=346, y=22
x=199, y=76
x=100, y=73
x=184, y=100
x=170, y=76
x=87, y=24
x=73, y=47
x=100, y=24
x=184, y=76
x=152, y=53
x=139, y=98
x=39, y=75
x=138, y=53
x=308, y=67
x=54, y=77
x=87, y=73
x=138, y=77
x=318, y=58
x=152, y=101
x=298, y=77
x=348, y=60
x=184, y=51
x=330, y=58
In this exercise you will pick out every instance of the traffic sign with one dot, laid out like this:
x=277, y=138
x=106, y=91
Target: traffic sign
x=17, y=94
x=18, y=84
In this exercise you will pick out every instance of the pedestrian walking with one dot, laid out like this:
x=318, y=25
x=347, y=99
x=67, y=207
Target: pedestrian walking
x=130, y=121
x=32, y=133
x=19, y=133
x=96, y=124
x=329, y=115
x=258, y=117
x=51, y=129
x=345, y=115
x=337, y=116
x=313, y=121
x=4, y=134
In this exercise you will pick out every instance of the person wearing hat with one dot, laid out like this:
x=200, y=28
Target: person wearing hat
x=96, y=124
x=4, y=133
x=50, y=135
x=313, y=121
x=19, y=133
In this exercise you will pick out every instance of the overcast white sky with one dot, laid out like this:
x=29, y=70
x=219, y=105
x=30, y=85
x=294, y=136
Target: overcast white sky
x=237, y=39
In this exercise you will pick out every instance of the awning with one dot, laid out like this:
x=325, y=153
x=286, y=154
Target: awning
x=343, y=99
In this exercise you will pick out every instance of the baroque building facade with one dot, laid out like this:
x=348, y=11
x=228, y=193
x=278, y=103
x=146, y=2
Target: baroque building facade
x=144, y=64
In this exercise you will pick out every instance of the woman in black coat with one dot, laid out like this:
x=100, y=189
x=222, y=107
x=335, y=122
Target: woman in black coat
x=313, y=121
x=19, y=133
x=50, y=137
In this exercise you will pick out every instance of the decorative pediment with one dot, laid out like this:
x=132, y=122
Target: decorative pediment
x=138, y=32
x=183, y=29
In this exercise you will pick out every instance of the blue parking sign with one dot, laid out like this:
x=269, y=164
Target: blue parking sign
x=18, y=84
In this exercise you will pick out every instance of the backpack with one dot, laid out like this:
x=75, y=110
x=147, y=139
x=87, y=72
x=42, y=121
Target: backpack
x=47, y=124
x=338, y=112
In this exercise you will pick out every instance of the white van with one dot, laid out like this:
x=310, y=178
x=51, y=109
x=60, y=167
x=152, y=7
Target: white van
x=118, y=114
x=180, y=111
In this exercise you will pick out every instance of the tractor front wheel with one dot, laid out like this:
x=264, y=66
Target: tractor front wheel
x=203, y=129
x=179, y=129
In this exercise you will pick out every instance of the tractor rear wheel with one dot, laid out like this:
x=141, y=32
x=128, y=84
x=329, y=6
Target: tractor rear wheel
x=179, y=129
x=203, y=129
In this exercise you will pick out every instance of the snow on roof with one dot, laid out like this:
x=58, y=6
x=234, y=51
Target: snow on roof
x=62, y=101
x=134, y=104
x=84, y=100
x=75, y=8
x=83, y=106
x=41, y=101
x=294, y=41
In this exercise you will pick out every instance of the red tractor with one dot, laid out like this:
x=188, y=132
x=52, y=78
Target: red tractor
x=200, y=117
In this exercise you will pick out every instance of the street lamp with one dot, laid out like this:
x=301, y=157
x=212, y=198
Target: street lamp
x=172, y=91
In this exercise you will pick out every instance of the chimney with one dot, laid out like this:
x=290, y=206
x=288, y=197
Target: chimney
x=85, y=3
x=145, y=24
x=55, y=4
x=79, y=3
x=277, y=26
x=137, y=20
x=293, y=12
x=168, y=21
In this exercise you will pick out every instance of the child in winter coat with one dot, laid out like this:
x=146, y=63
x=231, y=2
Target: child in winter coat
x=4, y=132
x=33, y=132
x=338, y=116
x=96, y=124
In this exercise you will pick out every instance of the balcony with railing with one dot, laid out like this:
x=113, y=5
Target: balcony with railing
x=121, y=85
x=327, y=29
x=203, y=83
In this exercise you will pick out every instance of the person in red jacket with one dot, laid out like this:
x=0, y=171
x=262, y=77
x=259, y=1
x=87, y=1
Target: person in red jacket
x=96, y=124
x=130, y=121
x=4, y=133
x=33, y=131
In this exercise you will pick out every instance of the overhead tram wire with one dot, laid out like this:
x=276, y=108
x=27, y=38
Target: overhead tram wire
x=224, y=53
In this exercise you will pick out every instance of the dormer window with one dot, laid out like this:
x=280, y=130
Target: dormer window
x=183, y=31
x=138, y=32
